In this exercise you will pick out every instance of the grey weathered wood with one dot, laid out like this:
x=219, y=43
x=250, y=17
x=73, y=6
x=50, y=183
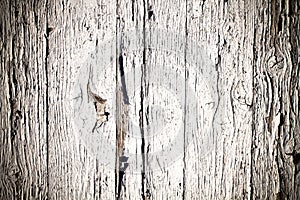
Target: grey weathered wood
x=236, y=63
x=23, y=149
x=275, y=140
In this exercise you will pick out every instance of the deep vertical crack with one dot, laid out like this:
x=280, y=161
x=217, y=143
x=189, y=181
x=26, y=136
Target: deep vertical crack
x=10, y=75
x=253, y=112
x=185, y=105
x=47, y=91
x=141, y=121
x=123, y=83
x=117, y=109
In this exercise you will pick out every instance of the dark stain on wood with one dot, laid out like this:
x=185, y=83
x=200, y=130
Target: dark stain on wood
x=296, y=158
x=132, y=10
x=151, y=13
x=123, y=82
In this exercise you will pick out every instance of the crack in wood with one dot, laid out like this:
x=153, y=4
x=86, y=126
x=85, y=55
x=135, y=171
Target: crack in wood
x=123, y=82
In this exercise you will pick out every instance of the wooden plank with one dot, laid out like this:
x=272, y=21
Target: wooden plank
x=218, y=149
x=164, y=98
x=81, y=53
x=275, y=161
x=139, y=117
x=23, y=149
x=129, y=66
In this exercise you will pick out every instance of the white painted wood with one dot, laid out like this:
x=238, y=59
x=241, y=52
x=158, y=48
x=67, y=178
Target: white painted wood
x=218, y=154
x=164, y=98
x=81, y=155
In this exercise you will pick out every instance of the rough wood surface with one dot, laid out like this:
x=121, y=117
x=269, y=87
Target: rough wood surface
x=149, y=99
x=225, y=149
x=24, y=148
x=275, y=140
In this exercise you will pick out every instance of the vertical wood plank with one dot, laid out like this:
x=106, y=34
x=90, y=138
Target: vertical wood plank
x=23, y=149
x=219, y=148
x=138, y=117
x=130, y=40
x=275, y=160
x=80, y=54
x=164, y=98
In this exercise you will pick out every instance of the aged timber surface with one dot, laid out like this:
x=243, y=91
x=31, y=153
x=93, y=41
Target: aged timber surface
x=144, y=99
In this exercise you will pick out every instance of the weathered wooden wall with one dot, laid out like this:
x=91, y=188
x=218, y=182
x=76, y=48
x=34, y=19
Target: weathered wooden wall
x=203, y=99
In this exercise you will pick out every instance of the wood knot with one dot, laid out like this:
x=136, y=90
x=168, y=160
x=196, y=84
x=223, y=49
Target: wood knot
x=100, y=107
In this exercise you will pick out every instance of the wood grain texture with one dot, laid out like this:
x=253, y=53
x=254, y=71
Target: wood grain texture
x=24, y=147
x=275, y=142
x=149, y=99
x=129, y=160
x=225, y=30
x=164, y=98
x=74, y=67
